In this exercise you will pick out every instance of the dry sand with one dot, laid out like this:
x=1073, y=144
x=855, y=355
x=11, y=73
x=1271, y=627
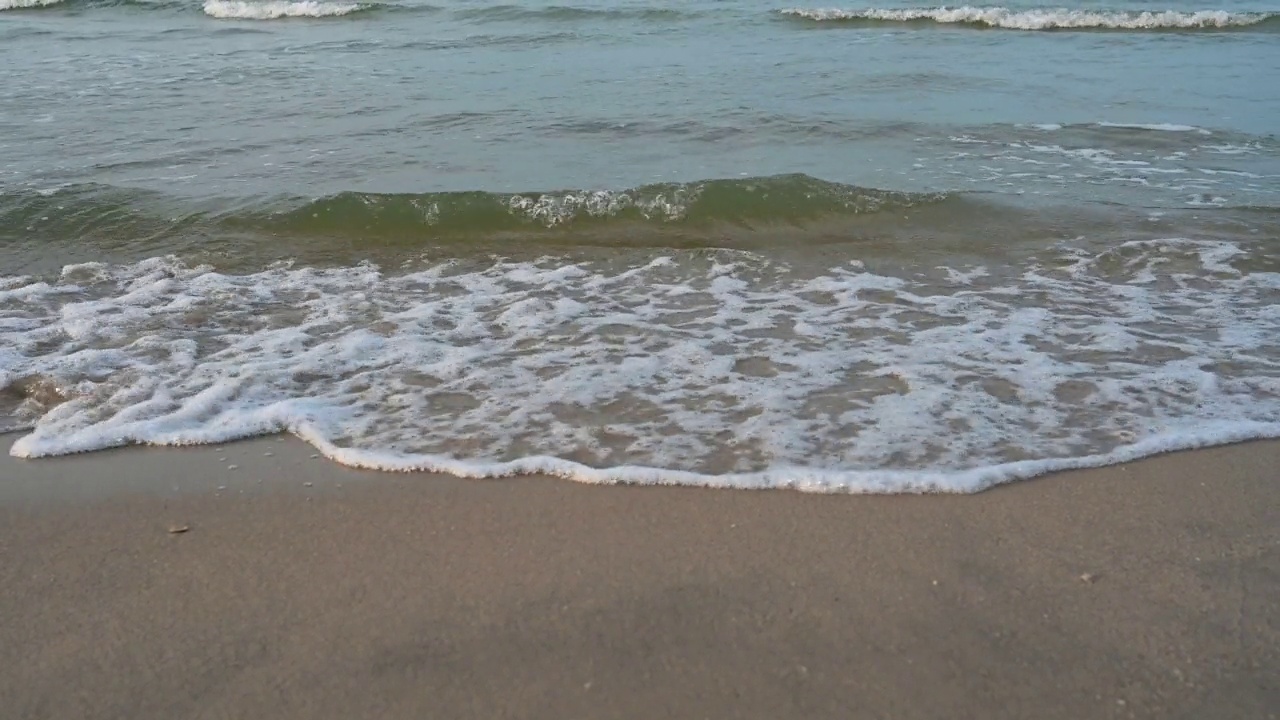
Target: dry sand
x=416, y=596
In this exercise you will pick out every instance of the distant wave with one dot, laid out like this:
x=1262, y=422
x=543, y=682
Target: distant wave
x=1157, y=127
x=565, y=13
x=1044, y=19
x=26, y=4
x=275, y=9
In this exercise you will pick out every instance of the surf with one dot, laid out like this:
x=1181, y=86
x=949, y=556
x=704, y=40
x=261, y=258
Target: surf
x=277, y=9
x=1040, y=19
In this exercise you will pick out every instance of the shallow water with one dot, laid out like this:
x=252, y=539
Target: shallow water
x=741, y=244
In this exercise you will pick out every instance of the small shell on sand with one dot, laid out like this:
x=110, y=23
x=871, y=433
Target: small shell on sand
x=178, y=529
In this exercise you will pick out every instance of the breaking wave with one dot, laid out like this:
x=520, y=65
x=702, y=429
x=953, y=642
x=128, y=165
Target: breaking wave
x=779, y=198
x=275, y=9
x=1043, y=19
x=83, y=211
x=26, y=4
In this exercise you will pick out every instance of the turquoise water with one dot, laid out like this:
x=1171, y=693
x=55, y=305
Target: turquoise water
x=881, y=247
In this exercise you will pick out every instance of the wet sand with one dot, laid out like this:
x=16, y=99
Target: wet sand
x=304, y=590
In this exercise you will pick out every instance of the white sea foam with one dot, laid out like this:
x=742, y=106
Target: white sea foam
x=26, y=4
x=1041, y=19
x=275, y=9
x=726, y=370
x=553, y=209
x=1159, y=127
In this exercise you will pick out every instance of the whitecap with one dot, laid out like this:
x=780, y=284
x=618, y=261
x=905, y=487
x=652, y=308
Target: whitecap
x=275, y=9
x=26, y=4
x=1041, y=19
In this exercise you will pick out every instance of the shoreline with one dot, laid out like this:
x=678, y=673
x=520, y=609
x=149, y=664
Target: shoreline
x=303, y=589
x=969, y=481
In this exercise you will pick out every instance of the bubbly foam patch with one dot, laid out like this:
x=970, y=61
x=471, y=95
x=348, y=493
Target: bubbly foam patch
x=723, y=368
x=26, y=4
x=275, y=9
x=1045, y=19
x=550, y=210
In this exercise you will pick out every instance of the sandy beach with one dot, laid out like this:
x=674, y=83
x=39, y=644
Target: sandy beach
x=815, y=282
x=303, y=590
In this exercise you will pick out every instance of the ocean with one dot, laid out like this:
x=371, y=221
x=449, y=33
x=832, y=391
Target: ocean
x=727, y=243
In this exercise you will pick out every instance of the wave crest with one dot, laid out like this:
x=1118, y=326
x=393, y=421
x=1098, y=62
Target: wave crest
x=1043, y=19
x=275, y=9
x=26, y=4
x=769, y=200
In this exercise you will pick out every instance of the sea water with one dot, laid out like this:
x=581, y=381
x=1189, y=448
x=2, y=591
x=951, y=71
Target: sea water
x=885, y=248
